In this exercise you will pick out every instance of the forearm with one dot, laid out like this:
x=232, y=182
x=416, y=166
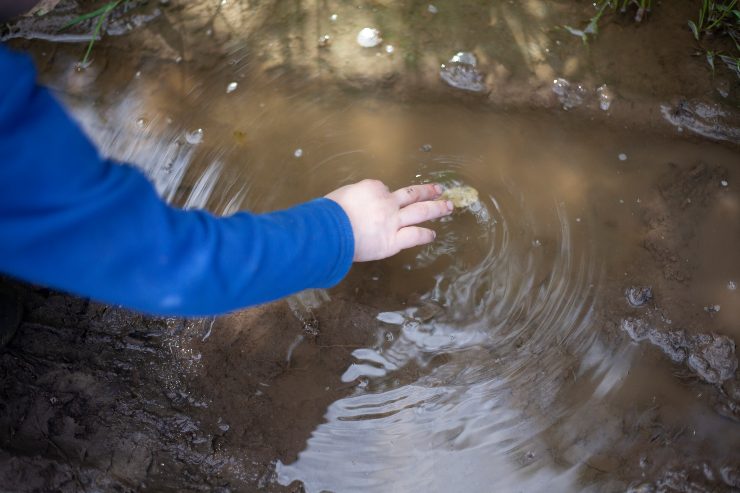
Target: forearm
x=73, y=221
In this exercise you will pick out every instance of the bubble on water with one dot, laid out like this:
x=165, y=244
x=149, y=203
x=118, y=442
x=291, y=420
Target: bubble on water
x=536, y=243
x=141, y=122
x=622, y=156
x=432, y=9
x=369, y=37
x=606, y=96
x=569, y=95
x=333, y=17
x=324, y=41
x=231, y=87
x=389, y=49
x=461, y=72
x=138, y=74
x=731, y=285
x=195, y=137
x=724, y=183
x=298, y=152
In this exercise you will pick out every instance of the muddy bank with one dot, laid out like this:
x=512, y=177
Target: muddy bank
x=642, y=75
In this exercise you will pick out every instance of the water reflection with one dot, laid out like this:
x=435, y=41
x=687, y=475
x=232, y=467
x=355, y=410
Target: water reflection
x=475, y=373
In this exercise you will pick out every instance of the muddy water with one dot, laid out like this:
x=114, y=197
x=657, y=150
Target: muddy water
x=502, y=357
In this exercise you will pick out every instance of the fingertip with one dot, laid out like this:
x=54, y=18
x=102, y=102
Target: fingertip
x=438, y=189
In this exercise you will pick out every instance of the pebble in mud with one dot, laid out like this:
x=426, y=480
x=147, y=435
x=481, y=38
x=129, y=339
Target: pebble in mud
x=711, y=356
x=369, y=37
x=461, y=72
x=639, y=295
x=569, y=95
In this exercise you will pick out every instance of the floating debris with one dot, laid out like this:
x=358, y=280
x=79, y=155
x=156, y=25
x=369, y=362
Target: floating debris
x=461, y=196
x=569, y=95
x=606, y=97
x=461, y=72
x=638, y=296
x=712, y=309
x=231, y=87
x=324, y=41
x=369, y=37
x=195, y=137
x=731, y=285
x=298, y=152
x=425, y=148
x=622, y=156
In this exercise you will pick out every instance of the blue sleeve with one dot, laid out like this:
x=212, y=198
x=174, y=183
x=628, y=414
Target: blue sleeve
x=74, y=221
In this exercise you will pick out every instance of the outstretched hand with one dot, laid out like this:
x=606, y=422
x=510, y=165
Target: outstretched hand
x=384, y=222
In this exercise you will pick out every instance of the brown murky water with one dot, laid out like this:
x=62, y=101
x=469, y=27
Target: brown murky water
x=503, y=357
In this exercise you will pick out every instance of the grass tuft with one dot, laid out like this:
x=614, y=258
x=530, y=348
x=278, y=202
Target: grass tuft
x=101, y=14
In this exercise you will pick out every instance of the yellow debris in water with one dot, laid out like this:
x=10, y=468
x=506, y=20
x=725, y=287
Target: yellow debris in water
x=462, y=196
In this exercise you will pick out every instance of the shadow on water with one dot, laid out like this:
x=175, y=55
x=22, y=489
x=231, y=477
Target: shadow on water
x=493, y=359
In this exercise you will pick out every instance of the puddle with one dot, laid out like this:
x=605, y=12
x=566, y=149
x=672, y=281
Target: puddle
x=496, y=358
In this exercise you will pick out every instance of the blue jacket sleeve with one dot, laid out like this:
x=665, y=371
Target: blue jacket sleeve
x=74, y=221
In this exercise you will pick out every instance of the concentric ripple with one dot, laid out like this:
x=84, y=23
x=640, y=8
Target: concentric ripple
x=470, y=382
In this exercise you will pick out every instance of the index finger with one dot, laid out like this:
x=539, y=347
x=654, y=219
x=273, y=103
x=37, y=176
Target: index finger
x=417, y=193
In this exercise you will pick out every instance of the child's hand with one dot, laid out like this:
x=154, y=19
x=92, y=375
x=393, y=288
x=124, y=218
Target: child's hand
x=383, y=222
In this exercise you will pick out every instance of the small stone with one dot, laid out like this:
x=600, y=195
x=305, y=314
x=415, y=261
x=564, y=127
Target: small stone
x=231, y=87
x=298, y=152
x=622, y=156
x=369, y=37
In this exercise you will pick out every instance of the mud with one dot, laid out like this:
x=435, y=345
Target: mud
x=574, y=329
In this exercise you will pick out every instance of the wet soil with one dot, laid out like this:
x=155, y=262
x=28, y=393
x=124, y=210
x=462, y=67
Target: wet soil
x=576, y=330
